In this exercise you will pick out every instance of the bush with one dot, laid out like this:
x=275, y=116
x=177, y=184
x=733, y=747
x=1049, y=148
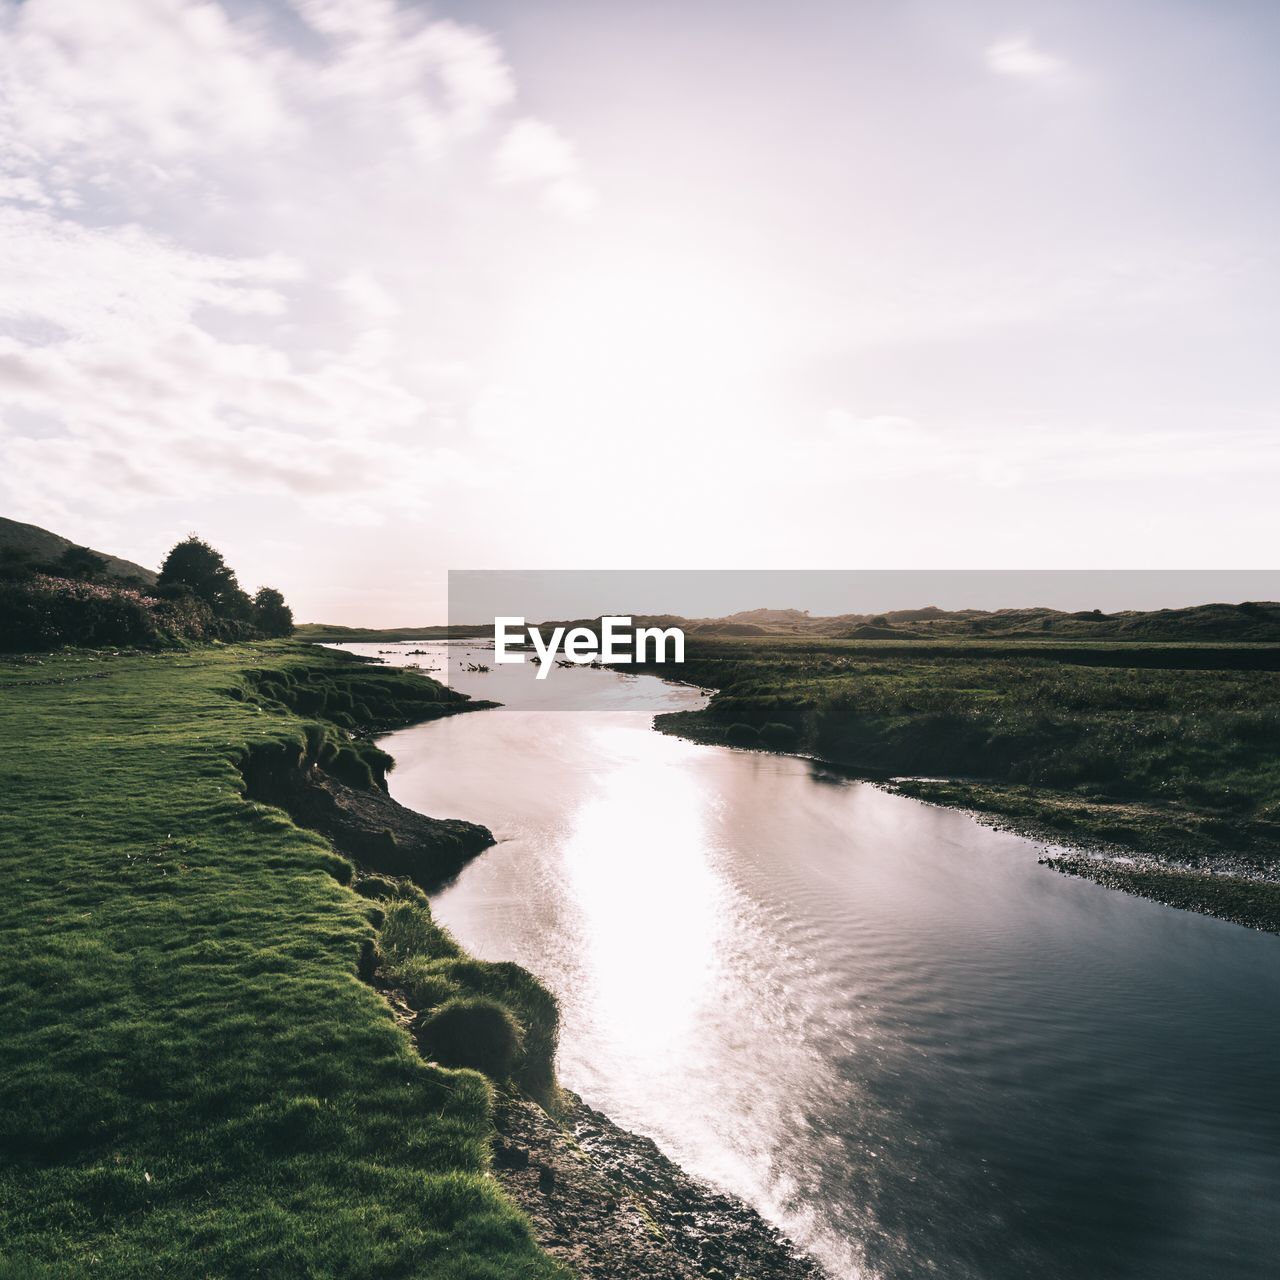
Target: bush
x=195, y=570
x=45, y=612
x=472, y=1032
x=741, y=735
x=271, y=615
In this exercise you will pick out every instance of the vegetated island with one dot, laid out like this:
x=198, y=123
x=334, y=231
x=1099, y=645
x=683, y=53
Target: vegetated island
x=233, y=1041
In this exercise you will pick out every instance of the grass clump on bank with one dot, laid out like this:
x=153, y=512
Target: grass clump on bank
x=194, y=1078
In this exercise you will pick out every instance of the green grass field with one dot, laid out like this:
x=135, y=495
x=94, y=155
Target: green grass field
x=193, y=1079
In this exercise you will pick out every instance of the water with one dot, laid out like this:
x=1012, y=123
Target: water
x=886, y=1026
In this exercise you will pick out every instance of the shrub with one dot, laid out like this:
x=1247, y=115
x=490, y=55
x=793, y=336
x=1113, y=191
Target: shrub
x=270, y=613
x=80, y=563
x=741, y=735
x=472, y=1032
x=46, y=612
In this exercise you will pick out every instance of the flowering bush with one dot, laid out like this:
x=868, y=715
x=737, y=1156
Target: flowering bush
x=45, y=612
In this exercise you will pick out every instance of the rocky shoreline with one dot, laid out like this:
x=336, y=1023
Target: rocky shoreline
x=610, y=1205
x=1243, y=900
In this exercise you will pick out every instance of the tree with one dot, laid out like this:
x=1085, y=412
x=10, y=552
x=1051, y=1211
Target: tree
x=194, y=565
x=270, y=613
x=81, y=564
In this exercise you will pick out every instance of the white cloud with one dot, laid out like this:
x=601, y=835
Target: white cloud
x=95, y=82
x=143, y=391
x=534, y=152
x=1019, y=57
x=153, y=155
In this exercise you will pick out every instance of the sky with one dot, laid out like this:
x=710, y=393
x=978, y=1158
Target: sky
x=365, y=290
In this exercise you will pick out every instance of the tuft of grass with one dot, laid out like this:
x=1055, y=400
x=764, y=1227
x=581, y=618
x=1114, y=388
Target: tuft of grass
x=194, y=1080
x=473, y=1031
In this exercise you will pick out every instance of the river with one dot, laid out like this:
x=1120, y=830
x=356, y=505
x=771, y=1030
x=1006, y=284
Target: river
x=880, y=1022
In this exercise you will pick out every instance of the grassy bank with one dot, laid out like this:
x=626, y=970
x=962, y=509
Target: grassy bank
x=1168, y=750
x=196, y=1078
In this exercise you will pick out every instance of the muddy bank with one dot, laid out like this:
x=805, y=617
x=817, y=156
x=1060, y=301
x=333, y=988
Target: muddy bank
x=610, y=1205
x=366, y=825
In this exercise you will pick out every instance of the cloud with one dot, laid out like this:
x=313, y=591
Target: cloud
x=96, y=82
x=533, y=152
x=138, y=384
x=154, y=343
x=1019, y=58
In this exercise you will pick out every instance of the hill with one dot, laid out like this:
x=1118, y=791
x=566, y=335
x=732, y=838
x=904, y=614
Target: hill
x=1250, y=621
x=43, y=547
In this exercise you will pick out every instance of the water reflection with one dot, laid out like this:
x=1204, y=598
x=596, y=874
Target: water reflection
x=882, y=1023
x=652, y=910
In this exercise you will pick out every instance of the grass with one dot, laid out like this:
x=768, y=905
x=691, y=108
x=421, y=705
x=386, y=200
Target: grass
x=194, y=1080
x=1171, y=749
x=422, y=961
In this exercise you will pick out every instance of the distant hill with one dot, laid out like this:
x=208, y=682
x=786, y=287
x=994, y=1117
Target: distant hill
x=1251, y=621
x=766, y=617
x=44, y=547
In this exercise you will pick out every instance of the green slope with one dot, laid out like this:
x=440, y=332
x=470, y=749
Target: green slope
x=42, y=546
x=193, y=1079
